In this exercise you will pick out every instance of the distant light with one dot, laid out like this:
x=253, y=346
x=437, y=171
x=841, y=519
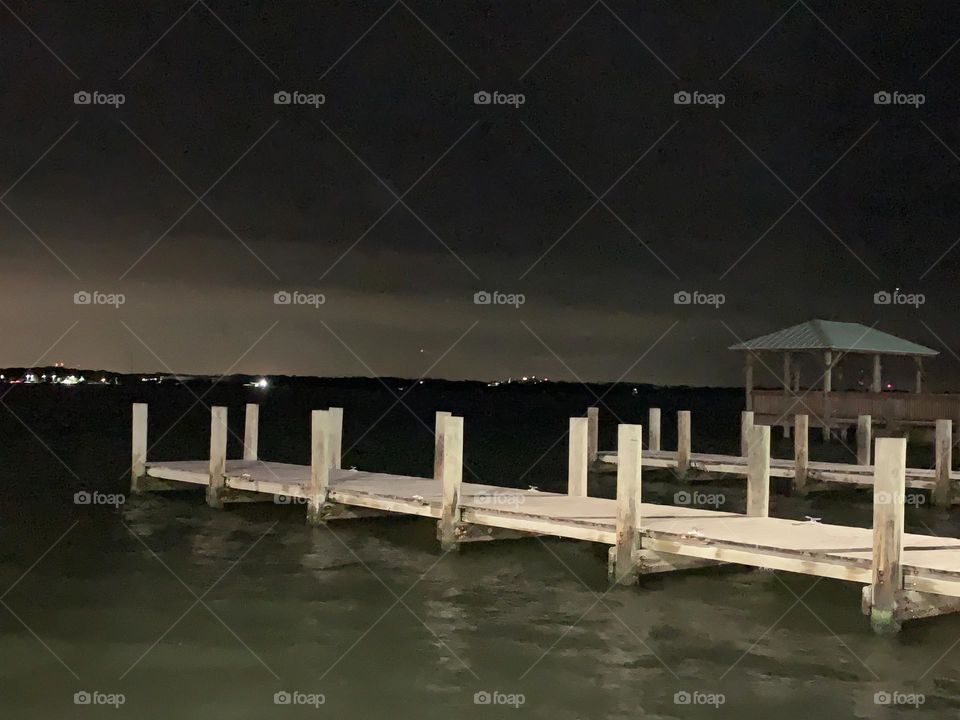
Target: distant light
x=524, y=378
x=103, y=380
x=262, y=383
x=421, y=382
x=889, y=386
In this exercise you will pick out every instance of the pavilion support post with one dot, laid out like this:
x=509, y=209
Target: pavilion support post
x=876, y=385
x=796, y=380
x=827, y=388
x=864, y=428
x=748, y=379
x=801, y=453
x=787, y=373
x=578, y=452
x=593, y=432
x=758, y=472
x=251, y=431
x=452, y=480
x=138, y=448
x=942, y=491
x=683, y=442
x=440, y=420
x=889, y=487
x=919, y=374
x=622, y=569
x=653, y=430
x=335, y=436
x=746, y=425
x=319, y=487
x=217, y=485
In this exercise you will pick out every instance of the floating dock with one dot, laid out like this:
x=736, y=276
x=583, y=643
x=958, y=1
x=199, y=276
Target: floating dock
x=905, y=576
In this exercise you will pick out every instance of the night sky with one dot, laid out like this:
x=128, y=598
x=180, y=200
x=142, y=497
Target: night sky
x=399, y=198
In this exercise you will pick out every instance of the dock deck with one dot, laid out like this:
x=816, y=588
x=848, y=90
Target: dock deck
x=906, y=575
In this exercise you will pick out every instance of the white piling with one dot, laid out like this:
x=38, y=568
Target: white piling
x=801, y=453
x=439, y=423
x=683, y=442
x=653, y=430
x=758, y=471
x=251, y=432
x=864, y=431
x=746, y=425
x=577, y=465
x=218, y=456
x=629, y=463
x=335, y=436
x=319, y=466
x=942, y=491
x=452, y=480
x=138, y=460
x=593, y=432
x=889, y=488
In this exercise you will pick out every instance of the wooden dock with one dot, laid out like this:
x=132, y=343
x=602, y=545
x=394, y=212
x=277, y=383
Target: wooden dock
x=905, y=576
x=939, y=480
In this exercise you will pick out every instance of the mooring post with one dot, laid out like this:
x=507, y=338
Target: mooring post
x=683, y=442
x=863, y=439
x=801, y=453
x=758, y=471
x=942, y=491
x=653, y=430
x=438, y=427
x=218, y=456
x=889, y=487
x=138, y=461
x=593, y=432
x=251, y=431
x=452, y=479
x=335, y=436
x=319, y=466
x=746, y=425
x=629, y=456
x=577, y=465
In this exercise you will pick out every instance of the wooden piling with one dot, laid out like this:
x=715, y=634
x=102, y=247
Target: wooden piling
x=138, y=460
x=335, y=436
x=452, y=479
x=251, y=431
x=683, y=442
x=863, y=439
x=593, y=432
x=319, y=466
x=801, y=453
x=889, y=487
x=943, y=490
x=218, y=456
x=577, y=464
x=653, y=429
x=629, y=463
x=439, y=422
x=746, y=425
x=758, y=471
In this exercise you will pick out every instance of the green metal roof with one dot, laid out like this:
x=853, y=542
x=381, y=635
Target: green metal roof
x=832, y=335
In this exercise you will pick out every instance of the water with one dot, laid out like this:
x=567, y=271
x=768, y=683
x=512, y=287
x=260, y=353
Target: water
x=194, y=613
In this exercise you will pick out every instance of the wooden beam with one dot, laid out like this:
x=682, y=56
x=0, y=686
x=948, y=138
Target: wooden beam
x=138, y=446
x=440, y=420
x=683, y=442
x=796, y=380
x=877, y=383
x=218, y=456
x=335, y=436
x=319, y=488
x=943, y=491
x=653, y=429
x=452, y=480
x=864, y=429
x=889, y=488
x=746, y=425
x=577, y=458
x=629, y=456
x=801, y=453
x=758, y=472
x=593, y=432
x=251, y=431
